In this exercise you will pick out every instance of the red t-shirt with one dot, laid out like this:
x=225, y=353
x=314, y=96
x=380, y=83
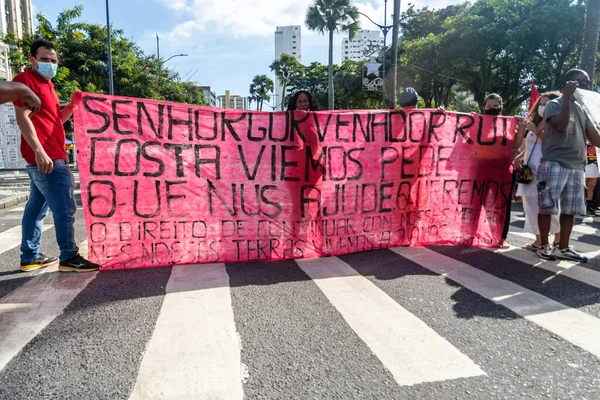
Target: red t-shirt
x=47, y=123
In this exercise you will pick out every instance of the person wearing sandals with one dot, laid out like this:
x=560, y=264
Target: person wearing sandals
x=531, y=156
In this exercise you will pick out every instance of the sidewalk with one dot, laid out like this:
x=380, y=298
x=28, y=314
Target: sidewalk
x=14, y=187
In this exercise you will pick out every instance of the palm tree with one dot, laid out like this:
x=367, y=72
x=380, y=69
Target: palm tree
x=590, y=37
x=332, y=16
x=285, y=68
x=260, y=88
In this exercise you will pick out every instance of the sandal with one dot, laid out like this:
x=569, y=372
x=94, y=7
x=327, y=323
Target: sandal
x=504, y=244
x=531, y=247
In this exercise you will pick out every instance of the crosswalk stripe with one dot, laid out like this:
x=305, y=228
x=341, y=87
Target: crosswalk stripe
x=575, y=326
x=11, y=238
x=585, y=229
x=580, y=228
x=589, y=250
x=30, y=308
x=566, y=268
x=16, y=209
x=412, y=351
x=195, y=351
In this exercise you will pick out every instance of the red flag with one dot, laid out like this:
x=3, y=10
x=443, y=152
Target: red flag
x=534, y=96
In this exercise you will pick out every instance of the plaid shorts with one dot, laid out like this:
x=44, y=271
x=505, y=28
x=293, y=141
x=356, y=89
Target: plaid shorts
x=560, y=189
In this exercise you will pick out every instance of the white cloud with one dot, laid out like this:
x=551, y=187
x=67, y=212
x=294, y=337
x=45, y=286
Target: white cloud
x=259, y=18
x=232, y=40
x=242, y=18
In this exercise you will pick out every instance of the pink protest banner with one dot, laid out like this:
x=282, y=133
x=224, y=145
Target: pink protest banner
x=165, y=184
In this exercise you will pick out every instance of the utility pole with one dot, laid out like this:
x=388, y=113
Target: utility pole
x=111, y=89
x=395, y=35
x=385, y=31
x=157, y=47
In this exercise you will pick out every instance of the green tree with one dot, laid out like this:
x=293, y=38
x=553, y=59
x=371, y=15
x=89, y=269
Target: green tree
x=312, y=78
x=82, y=50
x=331, y=16
x=490, y=46
x=260, y=88
x=590, y=37
x=286, y=68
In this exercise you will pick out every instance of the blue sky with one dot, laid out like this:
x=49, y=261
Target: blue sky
x=228, y=41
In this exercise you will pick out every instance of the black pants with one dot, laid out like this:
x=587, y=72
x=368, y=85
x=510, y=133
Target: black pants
x=509, y=207
x=596, y=195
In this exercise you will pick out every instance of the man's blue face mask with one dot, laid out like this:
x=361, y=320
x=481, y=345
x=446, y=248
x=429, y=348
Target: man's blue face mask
x=47, y=69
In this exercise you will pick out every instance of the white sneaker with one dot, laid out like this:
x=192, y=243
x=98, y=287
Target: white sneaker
x=570, y=254
x=546, y=252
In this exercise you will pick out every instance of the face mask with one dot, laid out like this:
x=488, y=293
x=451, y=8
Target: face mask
x=541, y=110
x=47, y=70
x=492, y=111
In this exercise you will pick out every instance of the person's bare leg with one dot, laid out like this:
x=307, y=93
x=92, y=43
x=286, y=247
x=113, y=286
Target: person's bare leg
x=566, y=226
x=590, y=184
x=544, y=221
x=557, y=238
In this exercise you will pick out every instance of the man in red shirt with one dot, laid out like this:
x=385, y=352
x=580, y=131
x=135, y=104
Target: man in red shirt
x=43, y=147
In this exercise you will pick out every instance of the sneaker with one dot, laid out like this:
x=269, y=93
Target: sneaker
x=546, y=252
x=40, y=261
x=77, y=264
x=570, y=254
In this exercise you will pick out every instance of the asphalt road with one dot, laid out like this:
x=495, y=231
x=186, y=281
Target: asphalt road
x=419, y=323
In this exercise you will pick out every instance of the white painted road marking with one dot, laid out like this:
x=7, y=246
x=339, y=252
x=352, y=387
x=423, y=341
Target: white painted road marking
x=194, y=352
x=11, y=238
x=569, y=269
x=577, y=327
x=31, y=307
x=412, y=351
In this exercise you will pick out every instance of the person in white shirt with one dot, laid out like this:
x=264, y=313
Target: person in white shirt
x=531, y=155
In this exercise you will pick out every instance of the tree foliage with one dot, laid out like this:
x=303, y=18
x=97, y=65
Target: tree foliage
x=490, y=46
x=331, y=16
x=82, y=50
x=260, y=88
x=285, y=68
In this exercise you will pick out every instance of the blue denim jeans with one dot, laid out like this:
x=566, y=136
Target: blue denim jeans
x=49, y=192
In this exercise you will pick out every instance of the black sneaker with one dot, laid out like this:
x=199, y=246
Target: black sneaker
x=77, y=264
x=40, y=261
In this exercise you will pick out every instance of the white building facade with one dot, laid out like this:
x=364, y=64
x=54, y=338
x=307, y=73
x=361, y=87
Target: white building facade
x=363, y=43
x=16, y=17
x=233, y=101
x=288, y=40
x=210, y=95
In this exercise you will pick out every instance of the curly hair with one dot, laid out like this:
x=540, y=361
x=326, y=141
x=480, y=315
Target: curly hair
x=312, y=101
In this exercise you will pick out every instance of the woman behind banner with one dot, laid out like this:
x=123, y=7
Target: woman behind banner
x=531, y=156
x=304, y=101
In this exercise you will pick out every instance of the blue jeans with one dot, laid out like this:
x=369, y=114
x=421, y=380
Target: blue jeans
x=49, y=192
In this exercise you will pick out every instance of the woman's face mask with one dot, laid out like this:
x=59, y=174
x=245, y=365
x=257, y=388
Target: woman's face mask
x=541, y=110
x=492, y=107
x=492, y=111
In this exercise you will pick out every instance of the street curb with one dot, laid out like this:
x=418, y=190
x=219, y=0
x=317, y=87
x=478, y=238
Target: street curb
x=22, y=198
x=13, y=201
